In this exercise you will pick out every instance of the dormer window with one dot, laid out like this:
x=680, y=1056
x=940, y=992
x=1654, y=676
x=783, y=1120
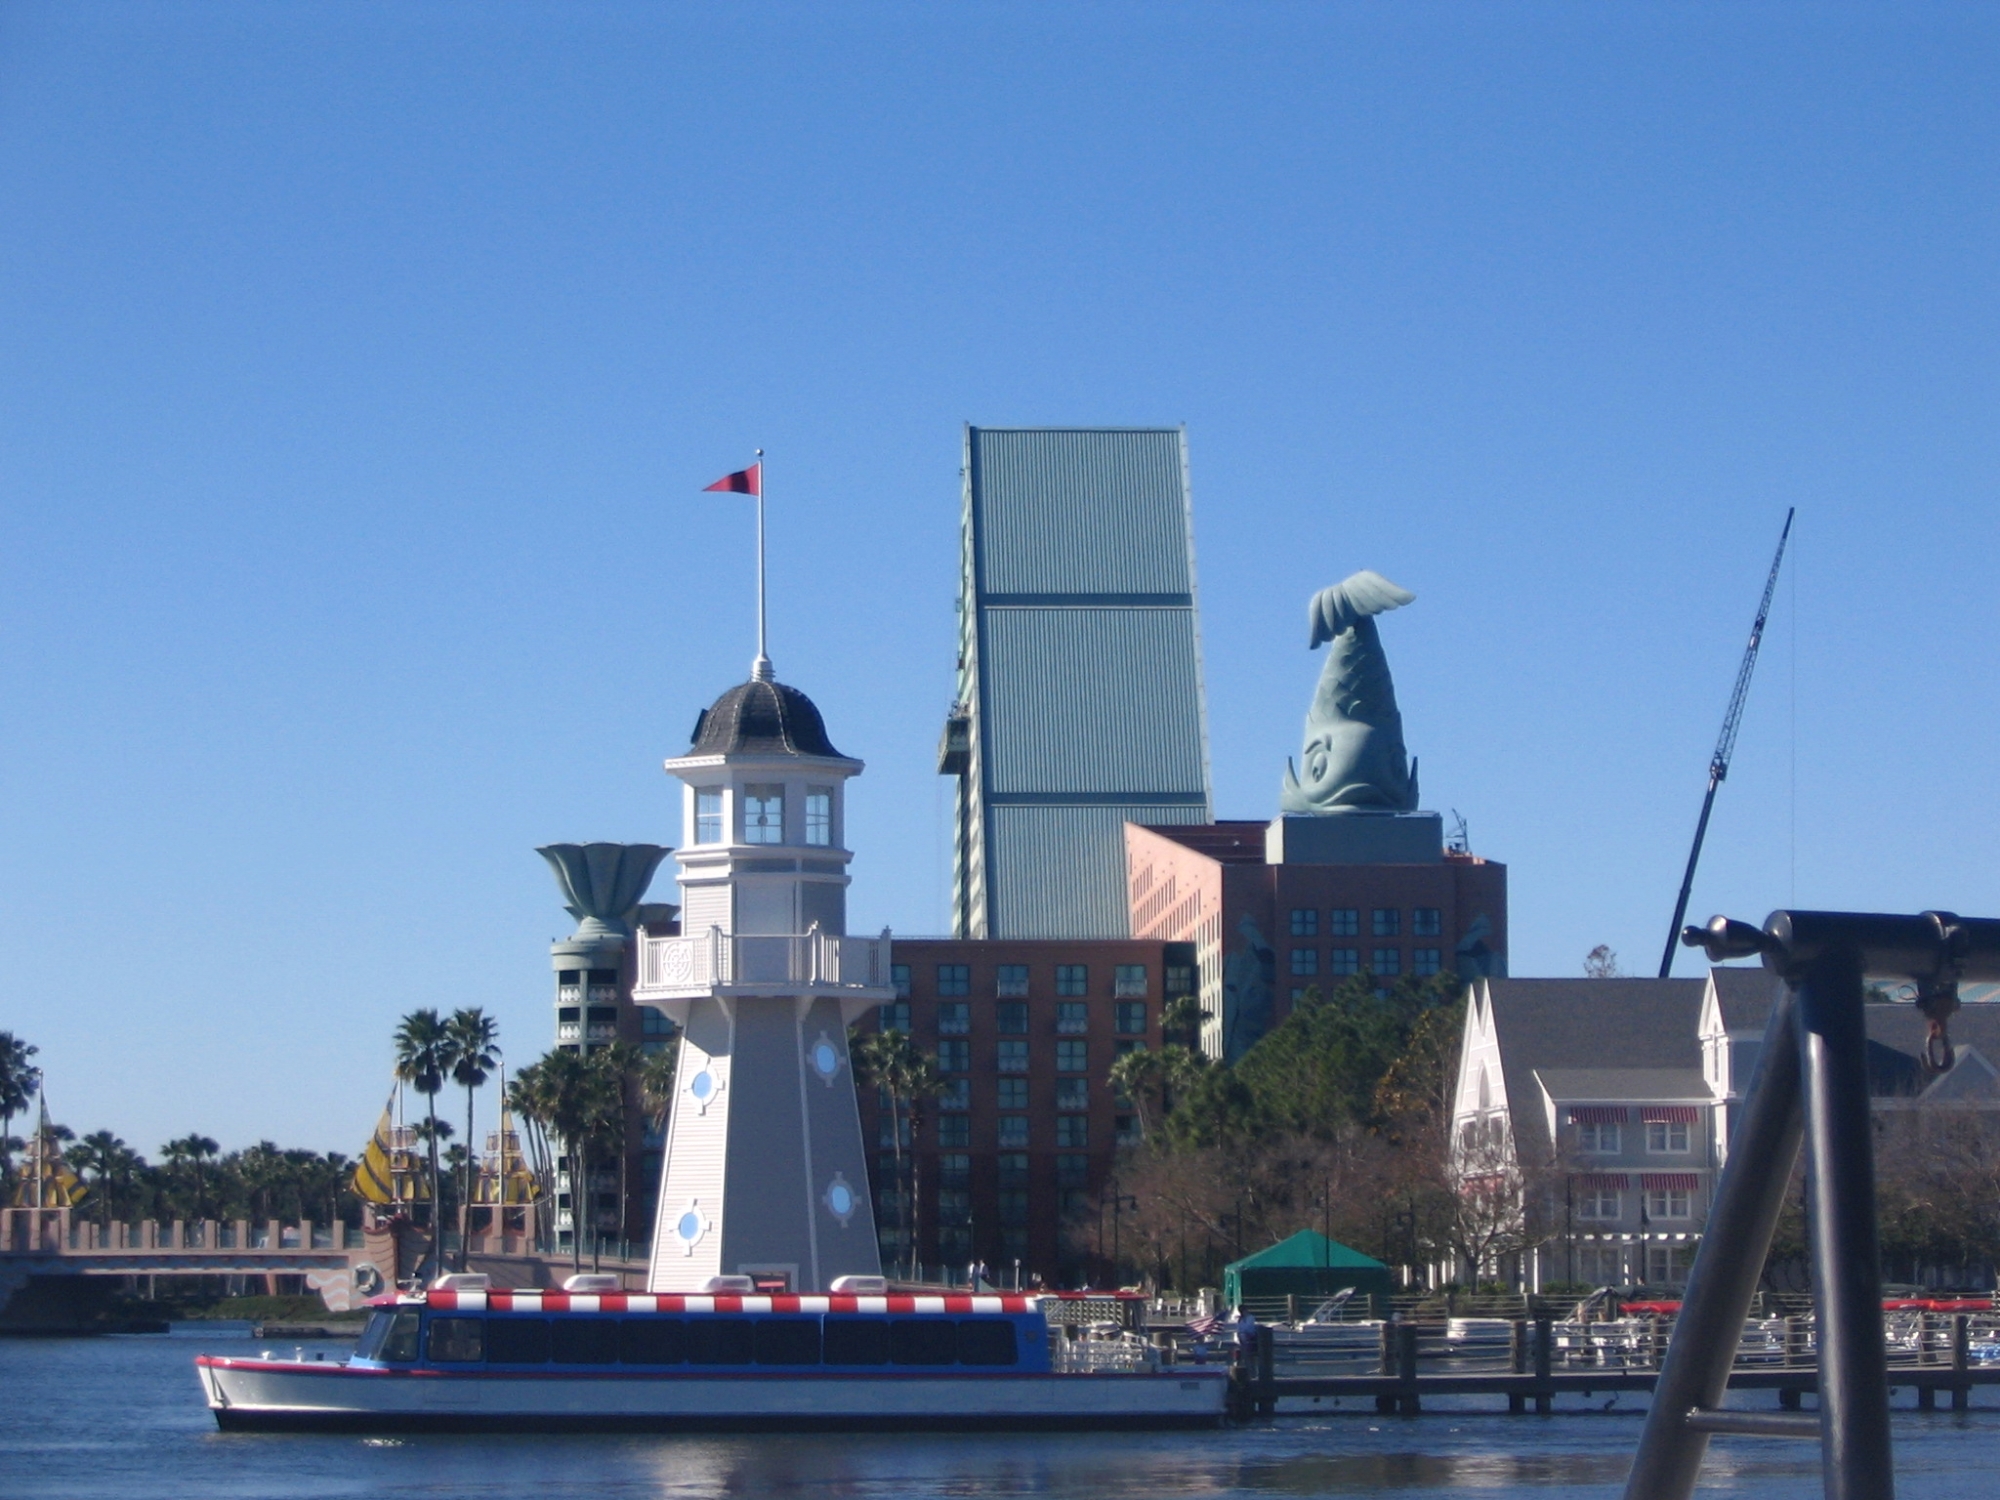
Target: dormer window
x=819, y=816
x=763, y=815
x=708, y=817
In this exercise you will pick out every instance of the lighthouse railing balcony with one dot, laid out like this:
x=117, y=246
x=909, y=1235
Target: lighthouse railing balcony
x=700, y=962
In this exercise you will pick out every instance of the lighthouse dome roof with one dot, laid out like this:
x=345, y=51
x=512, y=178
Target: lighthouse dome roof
x=761, y=718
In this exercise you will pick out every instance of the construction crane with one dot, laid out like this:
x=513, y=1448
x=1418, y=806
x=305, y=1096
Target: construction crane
x=1725, y=745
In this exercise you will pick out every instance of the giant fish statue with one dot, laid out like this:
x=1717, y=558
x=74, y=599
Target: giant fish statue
x=1353, y=757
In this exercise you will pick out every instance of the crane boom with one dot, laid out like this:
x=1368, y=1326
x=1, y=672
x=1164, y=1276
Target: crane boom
x=1725, y=744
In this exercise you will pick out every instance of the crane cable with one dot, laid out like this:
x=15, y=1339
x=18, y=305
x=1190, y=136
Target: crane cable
x=1725, y=744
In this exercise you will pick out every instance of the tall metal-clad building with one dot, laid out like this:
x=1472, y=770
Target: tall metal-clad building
x=1080, y=704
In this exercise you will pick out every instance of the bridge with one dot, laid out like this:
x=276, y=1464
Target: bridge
x=344, y=1265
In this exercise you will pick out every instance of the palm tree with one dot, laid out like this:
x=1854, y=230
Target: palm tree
x=904, y=1072
x=191, y=1151
x=19, y=1080
x=420, y=1062
x=472, y=1051
x=623, y=1067
x=574, y=1097
x=527, y=1097
x=101, y=1154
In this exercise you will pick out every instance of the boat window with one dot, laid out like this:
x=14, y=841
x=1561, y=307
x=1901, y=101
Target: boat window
x=857, y=1341
x=457, y=1340
x=652, y=1341
x=400, y=1347
x=517, y=1341
x=584, y=1341
x=986, y=1341
x=923, y=1341
x=369, y=1345
x=718, y=1341
x=787, y=1341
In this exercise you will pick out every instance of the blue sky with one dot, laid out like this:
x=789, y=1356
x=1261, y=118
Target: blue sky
x=360, y=367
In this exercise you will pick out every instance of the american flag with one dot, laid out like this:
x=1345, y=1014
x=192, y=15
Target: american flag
x=1201, y=1328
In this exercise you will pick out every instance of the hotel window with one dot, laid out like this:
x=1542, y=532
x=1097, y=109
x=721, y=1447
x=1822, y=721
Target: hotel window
x=1305, y=960
x=1426, y=921
x=1128, y=1130
x=954, y=1056
x=1013, y=1093
x=1011, y=1018
x=708, y=817
x=1299, y=992
x=1666, y=1265
x=954, y=1171
x=1427, y=961
x=899, y=975
x=1072, y=1017
x=1666, y=1135
x=1667, y=1203
x=1131, y=1018
x=1072, y=1057
x=1388, y=921
x=763, y=815
x=1072, y=1093
x=1013, y=1057
x=1013, y=1131
x=1596, y=1203
x=1128, y=981
x=1179, y=979
x=1597, y=1138
x=954, y=1132
x=1344, y=921
x=1388, y=962
x=1072, y=979
x=1014, y=1167
x=1073, y=1171
x=954, y=1018
x=1011, y=981
x=957, y=1095
x=895, y=1130
x=1072, y=1132
x=893, y=1017
x=1305, y=922
x=819, y=816
x=1013, y=1205
x=954, y=979
x=1343, y=961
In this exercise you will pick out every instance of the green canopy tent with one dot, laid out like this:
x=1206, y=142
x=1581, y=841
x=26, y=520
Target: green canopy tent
x=1309, y=1266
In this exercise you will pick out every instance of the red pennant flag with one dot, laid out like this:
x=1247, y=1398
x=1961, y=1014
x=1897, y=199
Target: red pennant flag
x=748, y=481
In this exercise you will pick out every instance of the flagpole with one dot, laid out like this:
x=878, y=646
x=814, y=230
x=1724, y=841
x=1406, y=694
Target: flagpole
x=760, y=670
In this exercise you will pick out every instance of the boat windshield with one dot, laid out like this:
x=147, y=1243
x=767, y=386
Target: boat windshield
x=390, y=1336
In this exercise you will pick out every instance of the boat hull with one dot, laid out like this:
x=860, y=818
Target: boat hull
x=311, y=1395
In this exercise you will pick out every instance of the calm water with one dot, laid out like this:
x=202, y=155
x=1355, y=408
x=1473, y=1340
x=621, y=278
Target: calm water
x=122, y=1417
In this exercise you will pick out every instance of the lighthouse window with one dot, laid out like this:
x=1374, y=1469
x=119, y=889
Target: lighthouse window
x=819, y=816
x=708, y=817
x=763, y=815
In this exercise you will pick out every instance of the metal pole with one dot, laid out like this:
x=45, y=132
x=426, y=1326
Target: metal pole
x=761, y=668
x=1726, y=1268
x=1840, y=1210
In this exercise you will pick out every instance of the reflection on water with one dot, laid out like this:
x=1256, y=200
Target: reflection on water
x=84, y=1419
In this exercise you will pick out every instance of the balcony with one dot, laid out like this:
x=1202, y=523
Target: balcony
x=683, y=968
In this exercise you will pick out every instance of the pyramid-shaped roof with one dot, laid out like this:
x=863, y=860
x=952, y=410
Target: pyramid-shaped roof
x=1308, y=1250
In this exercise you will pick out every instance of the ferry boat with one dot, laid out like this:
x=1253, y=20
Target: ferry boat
x=466, y=1357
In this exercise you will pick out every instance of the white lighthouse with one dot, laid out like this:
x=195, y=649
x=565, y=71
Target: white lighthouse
x=766, y=1173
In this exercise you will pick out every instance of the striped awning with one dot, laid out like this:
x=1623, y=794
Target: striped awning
x=1670, y=1114
x=1669, y=1182
x=1613, y=1181
x=1597, y=1114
